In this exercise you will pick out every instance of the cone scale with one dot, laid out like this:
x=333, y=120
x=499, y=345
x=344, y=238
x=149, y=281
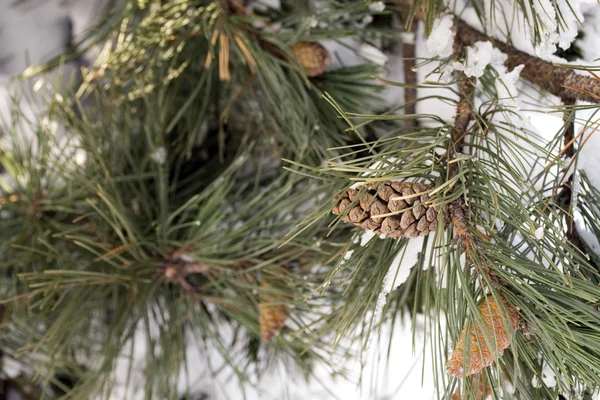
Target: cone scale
x=498, y=332
x=393, y=209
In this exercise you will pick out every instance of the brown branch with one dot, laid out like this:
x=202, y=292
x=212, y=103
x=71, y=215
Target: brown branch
x=466, y=90
x=559, y=81
x=459, y=210
x=410, y=74
x=569, y=134
x=410, y=79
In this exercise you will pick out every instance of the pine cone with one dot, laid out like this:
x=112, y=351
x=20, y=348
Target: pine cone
x=480, y=388
x=271, y=317
x=312, y=56
x=414, y=215
x=496, y=330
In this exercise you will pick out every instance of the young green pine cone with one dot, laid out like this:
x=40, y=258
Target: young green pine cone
x=413, y=213
x=312, y=56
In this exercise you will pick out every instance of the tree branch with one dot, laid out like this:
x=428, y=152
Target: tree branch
x=559, y=81
x=466, y=89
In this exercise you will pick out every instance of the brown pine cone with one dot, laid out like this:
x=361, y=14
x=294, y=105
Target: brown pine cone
x=271, y=317
x=312, y=56
x=501, y=321
x=480, y=388
x=414, y=215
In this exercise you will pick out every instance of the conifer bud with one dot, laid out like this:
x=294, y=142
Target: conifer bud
x=271, y=317
x=312, y=56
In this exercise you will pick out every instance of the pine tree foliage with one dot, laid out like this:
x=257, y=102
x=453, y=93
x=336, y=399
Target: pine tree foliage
x=179, y=212
x=517, y=239
x=182, y=225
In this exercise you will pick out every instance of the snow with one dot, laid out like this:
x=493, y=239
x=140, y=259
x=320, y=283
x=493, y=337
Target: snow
x=572, y=18
x=159, y=155
x=575, y=189
x=52, y=25
x=265, y=3
x=368, y=375
x=444, y=110
x=547, y=24
x=508, y=96
x=398, y=272
x=548, y=377
x=591, y=33
x=366, y=237
x=588, y=161
x=479, y=56
x=447, y=74
x=367, y=19
x=343, y=52
x=44, y=30
x=10, y=367
x=539, y=233
x=382, y=379
x=395, y=73
x=372, y=54
x=506, y=87
x=441, y=38
x=376, y=6
x=558, y=23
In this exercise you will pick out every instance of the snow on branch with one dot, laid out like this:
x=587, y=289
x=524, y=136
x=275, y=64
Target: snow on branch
x=560, y=81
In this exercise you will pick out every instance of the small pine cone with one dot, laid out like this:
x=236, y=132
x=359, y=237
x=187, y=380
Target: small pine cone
x=496, y=333
x=312, y=56
x=413, y=213
x=271, y=317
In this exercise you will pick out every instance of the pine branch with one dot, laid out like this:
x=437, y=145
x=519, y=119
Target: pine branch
x=559, y=81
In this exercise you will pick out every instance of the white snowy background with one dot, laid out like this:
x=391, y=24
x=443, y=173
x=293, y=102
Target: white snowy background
x=38, y=30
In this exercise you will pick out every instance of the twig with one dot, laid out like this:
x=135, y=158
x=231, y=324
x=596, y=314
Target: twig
x=459, y=211
x=466, y=90
x=410, y=79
